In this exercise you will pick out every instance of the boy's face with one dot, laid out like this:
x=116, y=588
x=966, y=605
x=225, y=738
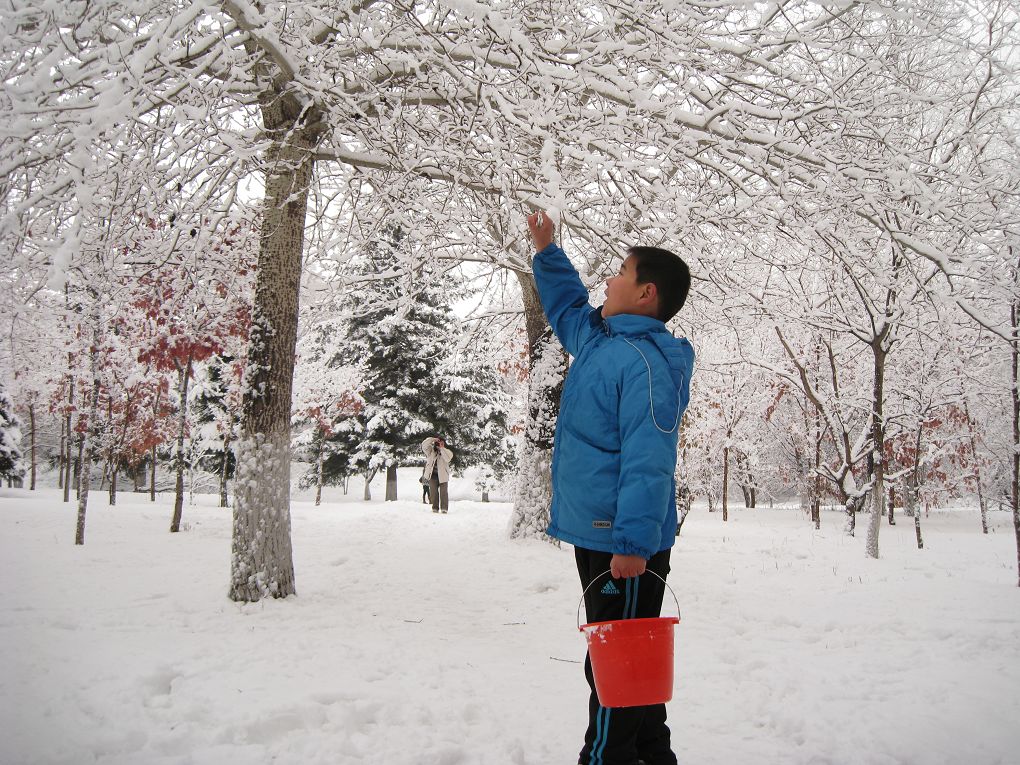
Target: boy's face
x=625, y=295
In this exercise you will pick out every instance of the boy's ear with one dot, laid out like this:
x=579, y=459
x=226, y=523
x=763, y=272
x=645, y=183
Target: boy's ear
x=649, y=294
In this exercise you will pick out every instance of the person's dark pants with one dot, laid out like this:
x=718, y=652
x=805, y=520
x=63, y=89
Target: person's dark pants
x=440, y=497
x=622, y=735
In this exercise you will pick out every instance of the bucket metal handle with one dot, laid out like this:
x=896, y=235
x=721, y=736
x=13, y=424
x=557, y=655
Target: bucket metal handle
x=610, y=571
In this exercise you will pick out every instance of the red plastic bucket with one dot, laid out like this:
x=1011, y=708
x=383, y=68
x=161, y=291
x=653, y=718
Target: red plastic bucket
x=632, y=660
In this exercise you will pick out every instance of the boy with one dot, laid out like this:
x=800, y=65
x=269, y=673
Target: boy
x=614, y=456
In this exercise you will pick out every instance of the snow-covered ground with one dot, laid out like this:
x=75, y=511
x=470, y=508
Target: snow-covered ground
x=421, y=639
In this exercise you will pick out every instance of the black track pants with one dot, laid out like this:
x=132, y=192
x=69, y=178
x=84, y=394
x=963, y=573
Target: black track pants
x=622, y=735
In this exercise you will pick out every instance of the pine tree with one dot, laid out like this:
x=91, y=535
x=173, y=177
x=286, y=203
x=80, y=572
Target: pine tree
x=401, y=332
x=481, y=424
x=10, y=439
x=214, y=410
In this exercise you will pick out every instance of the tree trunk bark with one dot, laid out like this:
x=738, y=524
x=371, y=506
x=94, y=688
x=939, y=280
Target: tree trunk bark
x=982, y=501
x=152, y=476
x=318, y=470
x=85, y=467
x=391, y=483
x=726, y=482
x=113, y=486
x=485, y=495
x=816, y=489
x=1014, y=315
x=155, y=419
x=891, y=505
x=183, y=379
x=367, y=494
x=31, y=437
x=547, y=366
x=78, y=460
x=61, y=456
x=70, y=438
x=262, y=561
x=225, y=464
x=878, y=449
x=851, y=514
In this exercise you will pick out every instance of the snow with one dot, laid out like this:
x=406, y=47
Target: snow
x=431, y=639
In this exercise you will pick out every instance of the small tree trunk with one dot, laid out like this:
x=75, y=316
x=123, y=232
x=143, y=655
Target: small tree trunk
x=816, y=491
x=391, y=483
x=113, y=487
x=184, y=377
x=725, y=481
x=78, y=460
x=917, y=531
x=318, y=470
x=152, y=476
x=1014, y=314
x=367, y=495
x=225, y=464
x=485, y=495
x=851, y=514
x=31, y=436
x=878, y=448
x=972, y=437
x=61, y=457
x=70, y=440
x=892, y=506
x=85, y=472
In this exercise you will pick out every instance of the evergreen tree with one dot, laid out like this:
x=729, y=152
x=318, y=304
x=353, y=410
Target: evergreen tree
x=481, y=427
x=214, y=409
x=401, y=332
x=10, y=439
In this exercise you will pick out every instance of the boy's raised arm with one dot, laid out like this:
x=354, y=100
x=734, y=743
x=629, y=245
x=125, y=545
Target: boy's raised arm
x=564, y=297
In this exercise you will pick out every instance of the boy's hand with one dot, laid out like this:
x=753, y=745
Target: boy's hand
x=542, y=229
x=626, y=566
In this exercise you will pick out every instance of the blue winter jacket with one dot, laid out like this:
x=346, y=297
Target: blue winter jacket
x=616, y=437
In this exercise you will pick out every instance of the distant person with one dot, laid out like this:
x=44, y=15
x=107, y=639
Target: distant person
x=437, y=470
x=614, y=454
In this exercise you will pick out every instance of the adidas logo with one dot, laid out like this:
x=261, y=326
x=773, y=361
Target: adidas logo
x=610, y=589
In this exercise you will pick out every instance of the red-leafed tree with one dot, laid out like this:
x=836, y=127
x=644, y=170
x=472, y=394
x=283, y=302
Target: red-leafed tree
x=188, y=314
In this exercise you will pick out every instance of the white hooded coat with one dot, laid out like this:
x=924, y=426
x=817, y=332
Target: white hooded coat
x=443, y=458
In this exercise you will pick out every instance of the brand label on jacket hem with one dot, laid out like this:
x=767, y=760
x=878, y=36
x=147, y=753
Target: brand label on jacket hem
x=602, y=524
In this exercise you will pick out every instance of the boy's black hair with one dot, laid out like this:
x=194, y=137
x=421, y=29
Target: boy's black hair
x=669, y=274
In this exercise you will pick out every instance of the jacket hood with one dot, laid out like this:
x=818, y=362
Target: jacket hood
x=678, y=351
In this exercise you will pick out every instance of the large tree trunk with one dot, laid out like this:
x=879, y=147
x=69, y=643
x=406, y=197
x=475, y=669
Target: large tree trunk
x=391, y=483
x=547, y=365
x=183, y=379
x=261, y=554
